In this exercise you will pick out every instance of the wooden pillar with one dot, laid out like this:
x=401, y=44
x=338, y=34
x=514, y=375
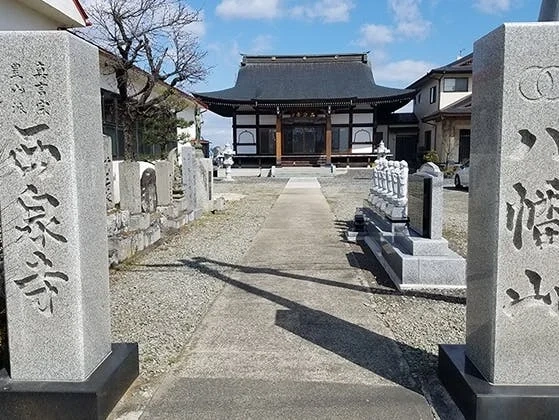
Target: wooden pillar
x=328, y=139
x=278, y=139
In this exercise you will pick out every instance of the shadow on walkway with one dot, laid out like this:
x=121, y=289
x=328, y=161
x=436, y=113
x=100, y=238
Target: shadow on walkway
x=357, y=260
x=350, y=341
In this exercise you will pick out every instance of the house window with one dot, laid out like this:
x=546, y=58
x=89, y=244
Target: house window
x=428, y=140
x=455, y=84
x=433, y=94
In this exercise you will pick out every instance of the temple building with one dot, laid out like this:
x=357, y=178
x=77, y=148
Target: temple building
x=313, y=110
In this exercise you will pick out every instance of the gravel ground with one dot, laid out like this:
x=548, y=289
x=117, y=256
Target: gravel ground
x=159, y=297
x=418, y=320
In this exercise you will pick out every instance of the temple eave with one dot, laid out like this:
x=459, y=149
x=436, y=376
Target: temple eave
x=228, y=107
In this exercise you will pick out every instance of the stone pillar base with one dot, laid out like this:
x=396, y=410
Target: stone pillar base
x=92, y=399
x=480, y=400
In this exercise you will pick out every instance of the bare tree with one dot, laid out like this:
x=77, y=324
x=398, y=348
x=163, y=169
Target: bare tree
x=449, y=142
x=155, y=36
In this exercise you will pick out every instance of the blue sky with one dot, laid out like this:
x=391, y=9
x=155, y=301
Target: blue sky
x=406, y=38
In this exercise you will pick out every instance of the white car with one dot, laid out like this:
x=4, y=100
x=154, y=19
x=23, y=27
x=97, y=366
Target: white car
x=462, y=175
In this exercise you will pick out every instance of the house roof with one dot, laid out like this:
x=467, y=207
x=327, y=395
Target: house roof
x=459, y=109
x=461, y=65
x=67, y=13
x=311, y=80
x=109, y=55
x=403, y=118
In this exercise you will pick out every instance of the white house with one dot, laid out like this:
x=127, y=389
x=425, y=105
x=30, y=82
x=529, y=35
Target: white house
x=442, y=105
x=111, y=122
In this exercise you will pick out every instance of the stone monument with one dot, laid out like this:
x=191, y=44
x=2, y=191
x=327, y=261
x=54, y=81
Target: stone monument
x=509, y=366
x=52, y=188
x=404, y=219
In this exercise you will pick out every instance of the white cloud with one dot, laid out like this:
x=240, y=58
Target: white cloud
x=261, y=44
x=409, y=20
x=372, y=34
x=328, y=11
x=493, y=6
x=248, y=9
x=401, y=73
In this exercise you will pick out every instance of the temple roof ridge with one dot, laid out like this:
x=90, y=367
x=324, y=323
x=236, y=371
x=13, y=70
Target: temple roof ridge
x=304, y=58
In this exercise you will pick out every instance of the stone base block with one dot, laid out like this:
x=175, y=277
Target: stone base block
x=140, y=221
x=92, y=399
x=418, y=271
x=218, y=204
x=181, y=204
x=354, y=236
x=422, y=246
x=480, y=400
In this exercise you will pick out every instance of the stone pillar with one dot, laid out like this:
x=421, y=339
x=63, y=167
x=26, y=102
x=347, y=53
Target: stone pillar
x=188, y=157
x=328, y=139
x=278, y=139
x=513, y=235
x=53, y=207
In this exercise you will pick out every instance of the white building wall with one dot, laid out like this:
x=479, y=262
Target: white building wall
x=266, y=120
x=340, y=118
x=15, y=16
x=424, y=107
x=448, y=98
x=188, y=114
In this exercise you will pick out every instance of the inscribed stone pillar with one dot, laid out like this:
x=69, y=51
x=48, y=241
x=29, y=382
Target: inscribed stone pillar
x=513, y=243
x=108, y=162
x=188, y=157
x=53, y=206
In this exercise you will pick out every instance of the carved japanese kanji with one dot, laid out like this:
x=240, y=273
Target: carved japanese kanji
x=38, y=285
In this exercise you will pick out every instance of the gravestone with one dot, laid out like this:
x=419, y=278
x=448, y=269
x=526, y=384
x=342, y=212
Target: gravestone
x=189, y=169
x=130, y=190
x=53, y=225
x=425, y=201
x=164, y=182
x=509, y=367
x=148, y=190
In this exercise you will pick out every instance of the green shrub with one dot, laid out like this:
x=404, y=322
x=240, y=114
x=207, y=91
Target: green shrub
x=431, y=156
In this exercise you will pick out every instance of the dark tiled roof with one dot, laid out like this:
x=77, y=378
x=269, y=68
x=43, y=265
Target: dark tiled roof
x=461, y=65
x=315, y=79
x=460, y=108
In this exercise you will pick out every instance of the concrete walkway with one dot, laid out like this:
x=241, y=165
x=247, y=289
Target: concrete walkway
x=290, y=336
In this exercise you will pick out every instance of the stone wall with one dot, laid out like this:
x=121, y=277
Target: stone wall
x=152, y=213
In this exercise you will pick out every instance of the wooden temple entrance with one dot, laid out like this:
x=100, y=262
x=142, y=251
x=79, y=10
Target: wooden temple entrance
x=303, y=139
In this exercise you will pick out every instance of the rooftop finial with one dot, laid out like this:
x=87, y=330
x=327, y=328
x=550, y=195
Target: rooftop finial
x=549, y=11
